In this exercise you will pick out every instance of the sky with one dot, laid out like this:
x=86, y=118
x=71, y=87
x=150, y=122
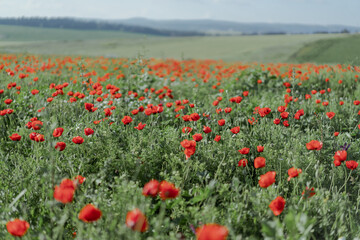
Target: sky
x=323, y=12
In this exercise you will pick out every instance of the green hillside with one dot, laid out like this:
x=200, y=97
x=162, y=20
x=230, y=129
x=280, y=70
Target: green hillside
x=269, y=48
x=336, y=50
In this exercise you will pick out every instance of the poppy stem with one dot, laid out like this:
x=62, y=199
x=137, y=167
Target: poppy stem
x=346, y=180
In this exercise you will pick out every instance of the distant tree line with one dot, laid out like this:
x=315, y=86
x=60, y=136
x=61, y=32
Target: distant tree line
x=326, y=32
x=70, y=23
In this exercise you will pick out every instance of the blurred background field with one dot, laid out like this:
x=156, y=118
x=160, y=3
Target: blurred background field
x=297, y=48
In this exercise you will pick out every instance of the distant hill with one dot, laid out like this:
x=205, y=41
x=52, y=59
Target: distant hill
x=177, y=28
x=83, y=24
x=227, y=27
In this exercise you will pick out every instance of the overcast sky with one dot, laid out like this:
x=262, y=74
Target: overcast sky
x=324, y=12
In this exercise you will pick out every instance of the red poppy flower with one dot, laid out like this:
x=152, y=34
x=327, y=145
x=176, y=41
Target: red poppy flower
x=221, y=122
x=237, y=99
x=259, y=162
x=244, y=151
x=314, y=145
x=330, y=115
x=136, y=220
x=277, y=121
x=15, y=137
x=299, y=113
x=65, y=191
x=211, y=231
x=126, y=120
x=207, y=129
x=217, y=138
x=186, y=130
x=107, y=112
x=34, y=91
x=194, y=116
x=293, y=172
x=140, y=126
x=78, y=140
x=267, y=179
x=286, y=124
x=277, y=205
x=308, y=193
x=80, y=179
x=336, y=134
x=148, y=111
x=352, y=165
x=36, y=125
x=197, y=137
x=190, y=147
x=8, y=101
x=60, y=146
x=151, y=188
x=89, y=213
x=284, y=115
x=228, y=110
x=88, y=131
x=340, y=156
x=89, y=107
x=281, y=109
x=242, y=163
x=337, y=163
x=58, y=132
x=168, y=190
x=356, y=102
x=260, y=148
x=235, y=130
x=264, y=111
x=17, y=227
x=33, y=135
x=3, y=112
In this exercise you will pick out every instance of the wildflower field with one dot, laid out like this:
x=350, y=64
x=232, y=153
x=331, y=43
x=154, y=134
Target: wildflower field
x=106, y=148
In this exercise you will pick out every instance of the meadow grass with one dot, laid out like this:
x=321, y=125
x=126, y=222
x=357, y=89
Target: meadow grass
x=338, y=50
x=118, y=160
x=267, y=48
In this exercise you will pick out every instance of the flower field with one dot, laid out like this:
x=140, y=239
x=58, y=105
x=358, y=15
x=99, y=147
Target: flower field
x=105, y=148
